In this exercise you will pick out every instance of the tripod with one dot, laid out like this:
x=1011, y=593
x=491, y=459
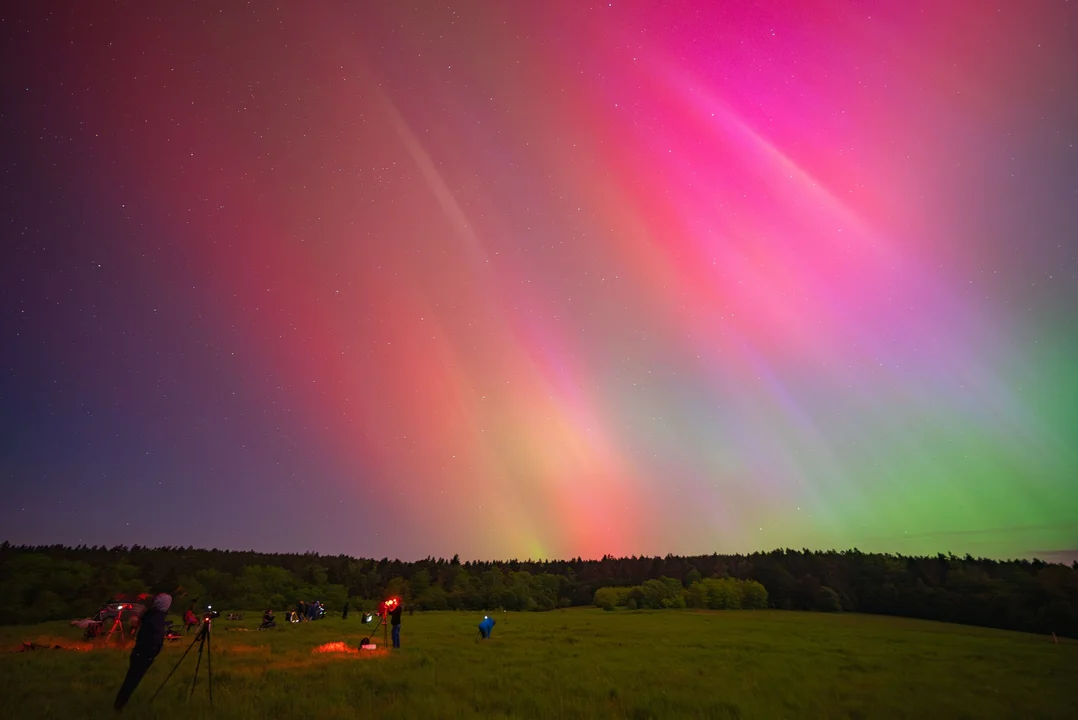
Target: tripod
x=117, y=626
x=202, y=637
x=385, y=629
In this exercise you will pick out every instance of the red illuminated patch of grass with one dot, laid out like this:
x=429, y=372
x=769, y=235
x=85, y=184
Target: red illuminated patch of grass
x=335, y=647
x=48, y=643
x=342, y=649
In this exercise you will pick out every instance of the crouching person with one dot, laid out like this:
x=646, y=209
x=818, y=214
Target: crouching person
x=268, y=621
x=151, y=636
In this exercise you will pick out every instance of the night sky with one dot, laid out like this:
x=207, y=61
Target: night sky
x=541, y=279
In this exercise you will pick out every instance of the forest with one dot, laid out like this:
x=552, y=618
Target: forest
x=39, y=583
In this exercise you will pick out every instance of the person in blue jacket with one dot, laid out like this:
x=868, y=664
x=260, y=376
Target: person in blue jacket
x=486, y=626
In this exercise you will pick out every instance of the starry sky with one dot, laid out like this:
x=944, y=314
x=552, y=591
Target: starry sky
x=541, y=279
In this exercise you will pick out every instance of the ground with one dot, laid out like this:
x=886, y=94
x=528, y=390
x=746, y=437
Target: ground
x=576, y=663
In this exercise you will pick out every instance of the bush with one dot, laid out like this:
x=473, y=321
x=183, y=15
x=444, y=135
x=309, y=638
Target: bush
x=433, y=598
x=727, y=594
x=609, y=598
x=827, y=600
x=753, y=595
x=713, y=593
x=658, y=593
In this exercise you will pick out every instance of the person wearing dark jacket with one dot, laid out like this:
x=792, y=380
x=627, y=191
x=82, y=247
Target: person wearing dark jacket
x=151, y=636
x=395, y=621
x=268, y=621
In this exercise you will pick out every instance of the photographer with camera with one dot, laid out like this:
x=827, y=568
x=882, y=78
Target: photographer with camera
x=395, y=621
x=151, y=636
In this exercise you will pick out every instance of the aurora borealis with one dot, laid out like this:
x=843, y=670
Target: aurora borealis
x=541, y=279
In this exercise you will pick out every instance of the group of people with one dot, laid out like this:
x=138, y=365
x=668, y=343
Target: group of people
x=152, y=629
x=306, y=612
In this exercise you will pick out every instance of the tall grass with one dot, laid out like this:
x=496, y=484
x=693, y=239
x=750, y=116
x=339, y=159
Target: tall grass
x=578, y=663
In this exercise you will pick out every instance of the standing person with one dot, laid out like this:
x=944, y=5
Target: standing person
x=395, y=621
x=344, y=615
x=190, y=620
x=151, y=636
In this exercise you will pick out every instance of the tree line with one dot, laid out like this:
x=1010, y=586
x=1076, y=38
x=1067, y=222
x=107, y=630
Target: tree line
x=40, y=583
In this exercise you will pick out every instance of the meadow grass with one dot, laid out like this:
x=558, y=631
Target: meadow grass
x=575, y=663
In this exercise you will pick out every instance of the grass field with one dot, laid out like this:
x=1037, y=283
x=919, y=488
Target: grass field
x=578, y=663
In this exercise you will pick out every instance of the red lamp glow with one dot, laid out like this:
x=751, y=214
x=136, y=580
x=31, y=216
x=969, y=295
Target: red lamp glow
x=388, y=606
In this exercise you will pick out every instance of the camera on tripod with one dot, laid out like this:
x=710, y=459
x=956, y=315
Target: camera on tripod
x=202, y=637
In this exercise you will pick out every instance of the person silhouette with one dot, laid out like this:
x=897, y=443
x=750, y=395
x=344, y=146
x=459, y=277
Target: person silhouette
x=148, y=643
x=395, y=623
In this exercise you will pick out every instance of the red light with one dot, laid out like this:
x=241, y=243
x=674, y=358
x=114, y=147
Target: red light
x=335, y=647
